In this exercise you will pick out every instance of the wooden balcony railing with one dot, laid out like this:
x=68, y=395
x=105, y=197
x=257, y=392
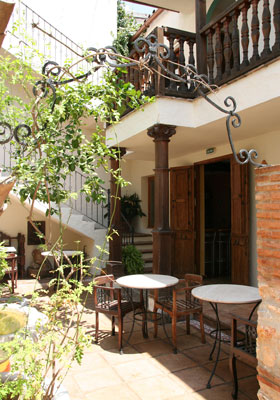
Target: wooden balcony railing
x=243, y=37
x=181, y=45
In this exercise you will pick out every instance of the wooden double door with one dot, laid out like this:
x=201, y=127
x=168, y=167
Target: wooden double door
x=186, y=187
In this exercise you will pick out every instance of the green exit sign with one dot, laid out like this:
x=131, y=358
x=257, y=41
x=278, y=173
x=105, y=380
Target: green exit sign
x=210, y=150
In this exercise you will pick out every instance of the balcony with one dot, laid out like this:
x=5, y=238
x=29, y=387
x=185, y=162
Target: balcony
x=242, y=38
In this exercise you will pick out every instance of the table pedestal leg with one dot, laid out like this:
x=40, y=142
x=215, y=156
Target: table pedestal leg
x=217, y=342
x=144, y=315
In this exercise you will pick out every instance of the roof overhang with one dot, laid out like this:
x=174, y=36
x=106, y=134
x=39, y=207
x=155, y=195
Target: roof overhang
x=6, y=10
x=175, y=5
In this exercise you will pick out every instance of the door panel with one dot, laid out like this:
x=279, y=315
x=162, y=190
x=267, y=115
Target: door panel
x=182, y=219
x=239, y=223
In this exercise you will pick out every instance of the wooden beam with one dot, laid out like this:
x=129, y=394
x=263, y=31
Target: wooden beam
x=201, y=50
x=162, y=235
x=6, y=10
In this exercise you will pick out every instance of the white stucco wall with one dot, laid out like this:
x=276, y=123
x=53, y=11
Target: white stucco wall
x=137, y=172
x=14, y=221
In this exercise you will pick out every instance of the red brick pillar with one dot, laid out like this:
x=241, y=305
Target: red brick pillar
x=268, y=245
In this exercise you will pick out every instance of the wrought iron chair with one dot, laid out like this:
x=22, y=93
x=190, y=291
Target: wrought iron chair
x=109, y=300
x=244, y=348
x=177, y=306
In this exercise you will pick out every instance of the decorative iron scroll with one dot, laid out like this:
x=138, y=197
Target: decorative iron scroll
x=153, y=55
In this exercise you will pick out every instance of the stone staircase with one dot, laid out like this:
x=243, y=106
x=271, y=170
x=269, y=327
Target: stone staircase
x=144, y=243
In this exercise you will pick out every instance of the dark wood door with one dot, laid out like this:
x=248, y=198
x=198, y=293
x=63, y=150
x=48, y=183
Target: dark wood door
x=182, y=219
x=239, y=223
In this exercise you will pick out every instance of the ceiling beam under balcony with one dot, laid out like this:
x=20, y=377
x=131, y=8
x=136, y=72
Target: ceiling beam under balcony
x=6, y=10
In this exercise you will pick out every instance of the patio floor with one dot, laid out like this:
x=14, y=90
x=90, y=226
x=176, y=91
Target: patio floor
x=149, y=370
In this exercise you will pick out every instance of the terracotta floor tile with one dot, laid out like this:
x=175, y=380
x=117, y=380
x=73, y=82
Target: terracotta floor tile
x=161, y=334
x=141, y=369
x=174, y=362
x=200, y=354
x=196, y=378
x=161, y=388
x=148, y=369
x=96, y=379
x=223, y=370
x=90, y=359
x=137, y=337
x=222, y=392
x=187, y=341
x=154, y=347
x=119, y=392
x=113, y=357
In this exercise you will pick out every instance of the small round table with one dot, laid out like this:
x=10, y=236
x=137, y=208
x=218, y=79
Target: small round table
x=146, y=282
x=225, y=294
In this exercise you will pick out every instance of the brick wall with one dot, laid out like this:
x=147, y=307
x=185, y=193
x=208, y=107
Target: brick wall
x=268, y=247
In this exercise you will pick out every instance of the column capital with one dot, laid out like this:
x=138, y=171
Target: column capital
x=160, y=132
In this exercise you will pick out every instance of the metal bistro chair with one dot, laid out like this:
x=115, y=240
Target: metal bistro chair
x=108, y=300
x=177, y=306
x=244, y=348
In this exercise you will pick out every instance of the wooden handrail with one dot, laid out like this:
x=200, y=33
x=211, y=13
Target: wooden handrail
x=222, y=15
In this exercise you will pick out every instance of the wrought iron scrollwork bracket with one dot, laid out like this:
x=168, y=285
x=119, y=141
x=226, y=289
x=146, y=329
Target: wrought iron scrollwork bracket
x=153, y=54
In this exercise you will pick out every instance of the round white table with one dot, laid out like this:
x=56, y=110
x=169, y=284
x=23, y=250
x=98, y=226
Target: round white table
x=145, y=282
x=225, y=294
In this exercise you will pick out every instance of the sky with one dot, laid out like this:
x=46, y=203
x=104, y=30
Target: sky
x=140, y=8
x=87, y=22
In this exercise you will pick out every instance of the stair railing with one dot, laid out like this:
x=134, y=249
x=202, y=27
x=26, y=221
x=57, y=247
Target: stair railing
x=94, y=211
x=127, y=232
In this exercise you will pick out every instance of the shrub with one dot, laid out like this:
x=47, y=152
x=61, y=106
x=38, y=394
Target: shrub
x=132, y=260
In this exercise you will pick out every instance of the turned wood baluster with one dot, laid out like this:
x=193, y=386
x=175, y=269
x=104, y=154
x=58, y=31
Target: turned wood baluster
x=172, y=67
x=245, y=33
x=227, y=45
x=218, y=51
x=255, y=30
x=235, y=40
x=266, y=27
x=210, y=55
x=191, y=61
x=182, y=61
x=276, y=22
x=131, y=75
x=191, y=52
x=137, y=74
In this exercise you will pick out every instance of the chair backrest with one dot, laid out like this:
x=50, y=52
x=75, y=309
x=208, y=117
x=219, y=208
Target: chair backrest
x=104, y=292
x=193, y=280
x=104, y=280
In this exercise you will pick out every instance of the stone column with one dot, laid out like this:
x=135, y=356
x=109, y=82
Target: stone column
x=115, y=210
x=268, y=237
x=162, y=236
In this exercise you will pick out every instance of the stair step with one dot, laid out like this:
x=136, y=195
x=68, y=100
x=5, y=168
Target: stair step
x=148, y=260
x=148, y=269
x=142, y=243
x=144, y=251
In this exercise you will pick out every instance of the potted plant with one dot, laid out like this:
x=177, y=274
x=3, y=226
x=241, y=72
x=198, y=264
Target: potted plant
x=132, y=260
x=131, y=207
